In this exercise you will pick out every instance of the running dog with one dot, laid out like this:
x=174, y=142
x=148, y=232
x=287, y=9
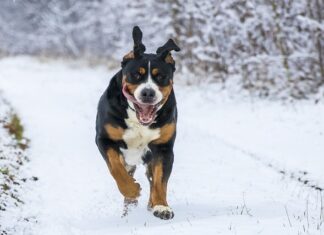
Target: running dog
x=136, y=123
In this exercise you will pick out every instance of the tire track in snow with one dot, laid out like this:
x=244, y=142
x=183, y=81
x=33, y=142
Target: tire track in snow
x=301, y=176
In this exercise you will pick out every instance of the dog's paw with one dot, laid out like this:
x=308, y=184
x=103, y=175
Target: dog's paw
x=131, y=191
x=163, y=212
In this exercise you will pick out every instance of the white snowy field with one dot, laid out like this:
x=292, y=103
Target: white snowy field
x=226, y=178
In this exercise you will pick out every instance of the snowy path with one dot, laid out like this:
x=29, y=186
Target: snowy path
x=214, y=188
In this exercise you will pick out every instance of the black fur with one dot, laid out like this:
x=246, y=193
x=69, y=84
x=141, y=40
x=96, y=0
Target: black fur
x=113, y=104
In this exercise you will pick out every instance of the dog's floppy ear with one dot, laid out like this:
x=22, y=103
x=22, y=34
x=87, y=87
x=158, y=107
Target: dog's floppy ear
x=139, y=47
x=164, y=52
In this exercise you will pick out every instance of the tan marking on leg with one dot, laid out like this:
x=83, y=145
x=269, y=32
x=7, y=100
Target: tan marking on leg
x=166, y=133
x=114, y=133
x=159, y=188
x=126, y=184
x=122, y=160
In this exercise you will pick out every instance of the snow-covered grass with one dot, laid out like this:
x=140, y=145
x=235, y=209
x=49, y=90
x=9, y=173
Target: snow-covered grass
x=14, y=177
x=236, y=170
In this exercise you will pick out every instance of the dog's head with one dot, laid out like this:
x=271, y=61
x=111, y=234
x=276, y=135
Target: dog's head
x=148, y=78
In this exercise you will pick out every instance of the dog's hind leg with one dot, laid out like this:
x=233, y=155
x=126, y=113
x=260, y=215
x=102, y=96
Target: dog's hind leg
x=158, y=172
x=149, y=176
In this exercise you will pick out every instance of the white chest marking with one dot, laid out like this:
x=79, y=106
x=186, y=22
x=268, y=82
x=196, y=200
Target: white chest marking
x=137, y=137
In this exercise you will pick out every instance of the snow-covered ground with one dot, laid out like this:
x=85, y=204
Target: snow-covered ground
x=15, y=176
x=229, y=154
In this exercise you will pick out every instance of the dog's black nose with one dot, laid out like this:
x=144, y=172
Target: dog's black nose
x=147, y=95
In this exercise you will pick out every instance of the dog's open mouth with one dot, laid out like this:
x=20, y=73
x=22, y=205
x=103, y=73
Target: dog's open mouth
x=145, y=113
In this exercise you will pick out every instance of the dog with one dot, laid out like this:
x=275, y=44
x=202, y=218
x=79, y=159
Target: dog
x=136, y=123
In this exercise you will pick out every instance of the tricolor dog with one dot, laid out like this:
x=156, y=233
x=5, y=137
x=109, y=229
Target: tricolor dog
x=136, y=123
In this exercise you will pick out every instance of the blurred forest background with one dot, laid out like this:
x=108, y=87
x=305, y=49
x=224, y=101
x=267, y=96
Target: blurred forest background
x=272, y=48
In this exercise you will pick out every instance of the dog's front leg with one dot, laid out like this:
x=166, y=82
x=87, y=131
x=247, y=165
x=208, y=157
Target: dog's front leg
x=158, y=172
x=125, y=182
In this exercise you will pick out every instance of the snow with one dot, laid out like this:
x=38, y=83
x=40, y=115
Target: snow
x=15, y=178
x=225, y=178
x=279, y=134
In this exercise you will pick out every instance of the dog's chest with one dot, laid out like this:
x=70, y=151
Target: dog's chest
x=137, y=137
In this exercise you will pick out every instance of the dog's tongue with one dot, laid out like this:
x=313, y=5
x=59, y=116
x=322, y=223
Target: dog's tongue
x=145, y=113
x=127, y=95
